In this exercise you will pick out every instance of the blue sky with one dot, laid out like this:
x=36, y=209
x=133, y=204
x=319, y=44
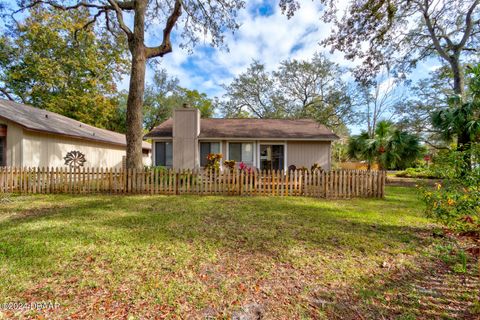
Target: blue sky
x=265, y=34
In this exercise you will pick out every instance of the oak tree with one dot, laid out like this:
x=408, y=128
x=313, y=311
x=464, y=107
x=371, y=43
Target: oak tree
x=162, y=96
x=311, y=88
x=44, y=62
x=401, y=33
x=165, y=94
x=202, y=19
x=316, y=88
x=253, y=93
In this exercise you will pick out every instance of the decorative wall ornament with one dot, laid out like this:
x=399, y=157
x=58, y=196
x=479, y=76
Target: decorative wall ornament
x=75, y=159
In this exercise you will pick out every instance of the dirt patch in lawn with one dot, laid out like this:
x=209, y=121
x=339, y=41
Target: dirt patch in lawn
x=429, y=291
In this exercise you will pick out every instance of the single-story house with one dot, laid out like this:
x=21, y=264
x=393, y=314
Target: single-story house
x=184, y=141
x=32, y=137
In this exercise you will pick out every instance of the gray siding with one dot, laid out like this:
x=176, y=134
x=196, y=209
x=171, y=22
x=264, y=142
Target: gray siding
x=306, y=153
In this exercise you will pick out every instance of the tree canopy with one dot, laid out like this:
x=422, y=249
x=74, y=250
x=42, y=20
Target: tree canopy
x=400, y=33
x=162, y=96
x=165, y=94
x=47, y=62
x=297, y=89
x=461, y=117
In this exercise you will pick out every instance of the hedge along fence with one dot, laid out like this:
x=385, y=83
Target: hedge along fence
x=321, y=184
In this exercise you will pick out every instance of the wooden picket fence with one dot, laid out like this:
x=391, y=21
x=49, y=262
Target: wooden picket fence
x=321, y=184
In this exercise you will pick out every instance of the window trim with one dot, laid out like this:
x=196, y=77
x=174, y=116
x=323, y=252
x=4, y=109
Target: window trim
x=254, y=146
x=154, y=151
x=285, y=154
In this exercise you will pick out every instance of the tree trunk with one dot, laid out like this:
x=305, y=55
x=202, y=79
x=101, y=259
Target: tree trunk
x=459, y=89
x=136, y=90
x=458, y=77
x=463, y=139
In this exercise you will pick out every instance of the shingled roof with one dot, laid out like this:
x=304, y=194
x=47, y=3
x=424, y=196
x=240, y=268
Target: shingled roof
x=302, y=129
x=38, y=120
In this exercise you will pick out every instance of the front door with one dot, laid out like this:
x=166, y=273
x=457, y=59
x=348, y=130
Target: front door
x=272, y=156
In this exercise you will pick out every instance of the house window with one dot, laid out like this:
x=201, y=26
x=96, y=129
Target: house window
x=163, y=154
x=272, y=157
x=205, y=149
x=241, y=152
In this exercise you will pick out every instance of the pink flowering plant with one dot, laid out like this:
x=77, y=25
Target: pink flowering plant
x=243, y=167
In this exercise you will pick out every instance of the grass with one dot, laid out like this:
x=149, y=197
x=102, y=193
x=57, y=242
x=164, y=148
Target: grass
x=222, y=257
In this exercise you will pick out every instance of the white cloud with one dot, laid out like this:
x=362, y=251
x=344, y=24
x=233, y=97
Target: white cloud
x=267, y=38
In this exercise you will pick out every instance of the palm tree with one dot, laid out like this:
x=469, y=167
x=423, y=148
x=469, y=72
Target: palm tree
x=389, y=147
x=453, y=121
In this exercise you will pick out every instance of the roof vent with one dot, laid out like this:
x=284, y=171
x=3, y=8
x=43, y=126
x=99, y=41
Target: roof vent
x=46, y=116
x=93, y=133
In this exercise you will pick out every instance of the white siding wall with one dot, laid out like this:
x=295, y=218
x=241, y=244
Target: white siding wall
x=32, y=149
x=42, y=150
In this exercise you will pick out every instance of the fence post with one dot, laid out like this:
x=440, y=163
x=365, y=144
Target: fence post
x=176, y=183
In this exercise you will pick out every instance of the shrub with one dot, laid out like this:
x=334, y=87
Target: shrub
x=229, y=164
x=420, y=173
x=456, y=201
x=213, y=161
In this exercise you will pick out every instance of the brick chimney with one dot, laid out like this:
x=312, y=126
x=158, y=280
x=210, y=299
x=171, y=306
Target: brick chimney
x=186, y=128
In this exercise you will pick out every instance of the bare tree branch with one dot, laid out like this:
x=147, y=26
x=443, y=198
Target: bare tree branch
x=91, y=22
x=468, y=25
x=435, y=146
x=166, y=45
x=121, y=22
x=6, y=94
x=431, y=30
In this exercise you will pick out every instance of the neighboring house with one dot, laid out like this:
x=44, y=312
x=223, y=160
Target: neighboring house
x=31, y=137
x=184, y=141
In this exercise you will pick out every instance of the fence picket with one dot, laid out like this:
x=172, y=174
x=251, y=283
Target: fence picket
x=340, y=184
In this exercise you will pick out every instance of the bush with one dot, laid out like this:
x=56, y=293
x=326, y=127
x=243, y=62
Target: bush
x=316, y=167
x=418, y=173
x=456, y=201
x=229, y=164
x=213, y=161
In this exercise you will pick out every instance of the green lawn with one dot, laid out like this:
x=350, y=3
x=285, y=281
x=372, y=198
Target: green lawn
x=221, y=257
